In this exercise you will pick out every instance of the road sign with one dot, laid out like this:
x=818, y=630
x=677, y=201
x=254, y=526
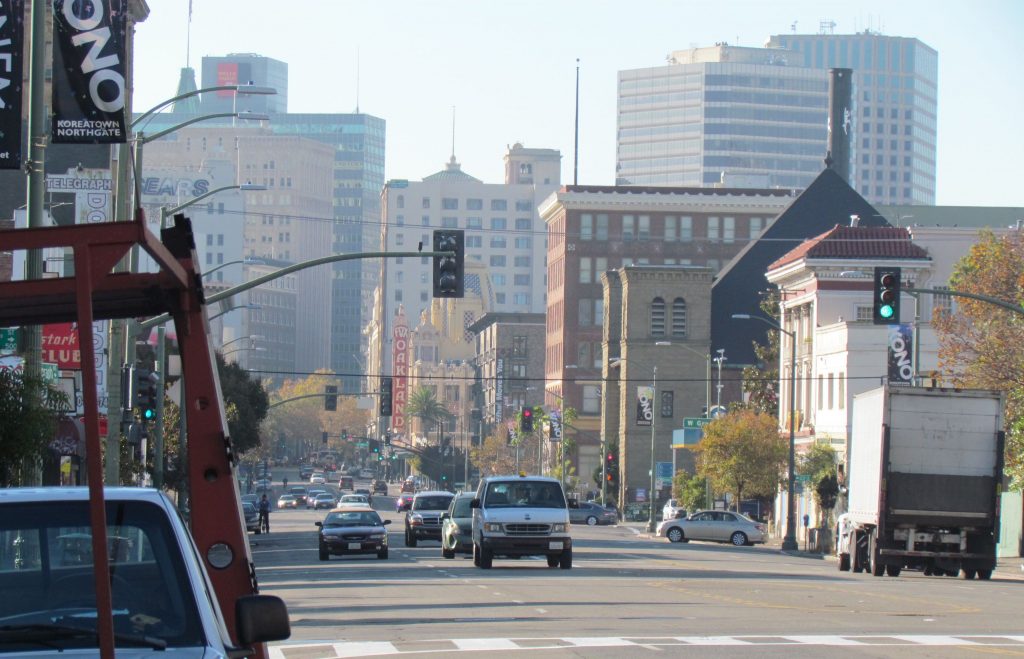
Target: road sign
x=9, y=340
x=362, y=444
x=695, y=422
x=803, y=478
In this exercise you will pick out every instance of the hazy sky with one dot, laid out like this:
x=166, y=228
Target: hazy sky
x=508, y=68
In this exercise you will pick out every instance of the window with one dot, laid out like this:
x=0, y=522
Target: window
x=399, y=239
x=601, y=226
x=842, y=390
x=671, y=228
x=523, y=224
x=524, y=205
x=679, y=317
x=586, y=227
x=599, y=312
x=831, y=390
x=586, y=312
x=499, y=224
x=474, y=241
x=499, y=242
x=521, y=299
x=499, y=204
x=497, y=261
x=586, y=273
x=521, y=280
x=685, y=229
x=821, y=391
x=657, y=317
x=474, y=223
x=499, y=298
x=499, y=279
x=728, y=229
x=449, y=222
x=643, y=227
x=713, y=228
x=756, y=225
x=628, y=228
x=450, y=204
x=521, y=261
x=863, y=313
x=400, y=201
x=474, y=204
x=600, y=266
x=591, y=399
x=523, y=242
x=425, y=221
x=426, y=202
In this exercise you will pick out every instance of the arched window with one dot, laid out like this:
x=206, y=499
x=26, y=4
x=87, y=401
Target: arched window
x=657, y=317
x=679, y=317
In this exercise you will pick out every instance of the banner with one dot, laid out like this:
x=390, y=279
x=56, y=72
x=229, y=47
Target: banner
x=644, y=406
x=400, y=372
x=88, y=71
x=12, y=44
x=901, y=355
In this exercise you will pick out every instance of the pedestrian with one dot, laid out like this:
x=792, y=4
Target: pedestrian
x=265, y=514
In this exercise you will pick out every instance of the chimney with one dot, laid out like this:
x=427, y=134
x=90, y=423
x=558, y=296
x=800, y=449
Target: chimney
x=840, y=121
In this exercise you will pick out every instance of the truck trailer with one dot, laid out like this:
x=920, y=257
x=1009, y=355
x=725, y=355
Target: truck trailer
x=924, y=479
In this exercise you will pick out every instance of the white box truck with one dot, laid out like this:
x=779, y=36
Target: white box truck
x=925, y=474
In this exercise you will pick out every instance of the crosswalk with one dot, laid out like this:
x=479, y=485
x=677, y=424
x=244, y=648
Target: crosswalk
x=342, y=648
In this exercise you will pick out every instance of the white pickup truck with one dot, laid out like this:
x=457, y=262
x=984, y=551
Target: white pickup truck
x=516, y=516
x=161, y=594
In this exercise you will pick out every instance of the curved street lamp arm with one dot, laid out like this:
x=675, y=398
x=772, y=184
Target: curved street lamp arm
x=984, y=298
x=157, y=135
x=196, y=92
x=164, y=212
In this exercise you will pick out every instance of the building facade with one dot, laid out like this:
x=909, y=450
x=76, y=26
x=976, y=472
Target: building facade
x=594, y=229
x=763, y=112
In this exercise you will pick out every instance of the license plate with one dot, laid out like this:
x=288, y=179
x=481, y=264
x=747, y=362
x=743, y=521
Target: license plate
x=355, y=545
x=554, y=545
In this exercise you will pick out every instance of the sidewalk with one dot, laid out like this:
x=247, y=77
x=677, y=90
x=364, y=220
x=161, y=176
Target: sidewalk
x=1006, y=568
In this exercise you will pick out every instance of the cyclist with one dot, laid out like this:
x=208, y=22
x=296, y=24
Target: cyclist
x=265, y=514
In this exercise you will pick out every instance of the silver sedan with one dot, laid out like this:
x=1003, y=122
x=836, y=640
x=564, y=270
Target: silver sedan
x=716, y=526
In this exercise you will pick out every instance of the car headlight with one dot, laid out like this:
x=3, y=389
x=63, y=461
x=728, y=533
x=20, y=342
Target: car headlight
x=416, y=519
x=494, y=527
x=378, y=534
x=559, y=528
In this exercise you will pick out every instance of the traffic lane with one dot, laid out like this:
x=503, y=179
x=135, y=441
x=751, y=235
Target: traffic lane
x=616, y=582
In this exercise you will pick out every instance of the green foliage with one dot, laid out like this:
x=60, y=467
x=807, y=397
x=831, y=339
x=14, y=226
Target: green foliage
x=980, y=343
x=444, y=469
x=690, y=491
x=743, y=453
x=28, y=419
x=250, y=402
x=760, y=381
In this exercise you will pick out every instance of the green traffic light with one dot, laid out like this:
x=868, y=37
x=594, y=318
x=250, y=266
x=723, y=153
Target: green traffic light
x=149, y=414
x=885, y=311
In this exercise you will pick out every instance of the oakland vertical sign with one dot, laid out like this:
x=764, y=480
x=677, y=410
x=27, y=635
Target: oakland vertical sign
x=12, y=43
x=88, y=71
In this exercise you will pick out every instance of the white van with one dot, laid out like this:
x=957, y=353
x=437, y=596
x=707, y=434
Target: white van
x=521, y=515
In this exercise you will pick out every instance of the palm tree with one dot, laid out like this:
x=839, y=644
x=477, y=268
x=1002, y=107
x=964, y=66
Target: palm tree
x=424, y=405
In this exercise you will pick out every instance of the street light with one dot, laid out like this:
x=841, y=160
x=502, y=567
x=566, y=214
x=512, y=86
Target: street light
x=244, y=348
x=168, y=212
x=789, y=542
x=253, y=337
x=718, y=387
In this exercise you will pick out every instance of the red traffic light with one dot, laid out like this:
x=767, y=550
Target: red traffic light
x=611, y=457
x=527, y=412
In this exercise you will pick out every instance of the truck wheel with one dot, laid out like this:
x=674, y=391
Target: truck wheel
x=486, y=558
x=893, y=570
x=844, y=562
x=410, y=539
x=476, y=554
x=984, y=575
x=553, y=561
x=565, y=562
x=447, y=553
x=968, y=574
x=739, y=539
x=324, y=555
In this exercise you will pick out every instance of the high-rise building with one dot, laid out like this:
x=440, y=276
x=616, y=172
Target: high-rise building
x=761, y=114
x=245, y=69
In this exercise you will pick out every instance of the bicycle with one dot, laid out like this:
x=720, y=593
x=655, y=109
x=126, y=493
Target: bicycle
x=264, y=522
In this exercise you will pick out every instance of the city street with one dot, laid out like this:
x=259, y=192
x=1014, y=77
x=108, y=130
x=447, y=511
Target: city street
x=626, y=593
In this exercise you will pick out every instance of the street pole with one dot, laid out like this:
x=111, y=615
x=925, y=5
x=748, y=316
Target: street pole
x=158, y=426
x=651, y=526
x=720, y=358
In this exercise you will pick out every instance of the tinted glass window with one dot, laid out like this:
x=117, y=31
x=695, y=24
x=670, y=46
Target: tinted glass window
x=431, y=503
x=524, y=494
x=460, y=507
x=354, y=518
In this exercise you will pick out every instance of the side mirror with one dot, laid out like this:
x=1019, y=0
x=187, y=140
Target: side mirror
x=445, y=515
x=475, y=503
x=386, y=522
x=261, y=618
x=319, y=524
x=573, y=503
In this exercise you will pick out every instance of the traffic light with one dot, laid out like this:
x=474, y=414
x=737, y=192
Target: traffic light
x=886, y=308
x=331, y=398
x=385, y=396
x=449, y=271
x=526, y=419
x=144, y=391
x=387, y=439
x=325, y=438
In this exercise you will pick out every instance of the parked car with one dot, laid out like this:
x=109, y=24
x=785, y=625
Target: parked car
x=252, y=517
x=403, y=502
x=380, y=486
x=716, y=526
x=673, y=510
x=592, y=514
x=423, y=520
x=346, y=483
x=287, y=501
x=348, y=500
x=324, y=500
x=457, y=526
x=357, y=530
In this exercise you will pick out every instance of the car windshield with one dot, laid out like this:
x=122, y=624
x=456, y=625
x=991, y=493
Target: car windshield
x=297, y=490
x=461, y=507
x=353, y=498
x=46, y=574
x=324, y=496
x=524, y=494
x=438, y=502
x=354, y=518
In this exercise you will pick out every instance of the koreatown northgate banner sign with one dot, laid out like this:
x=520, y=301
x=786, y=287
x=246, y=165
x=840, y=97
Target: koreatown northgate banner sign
x=88, y=71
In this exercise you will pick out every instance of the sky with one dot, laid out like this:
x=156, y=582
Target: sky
x=507, y=70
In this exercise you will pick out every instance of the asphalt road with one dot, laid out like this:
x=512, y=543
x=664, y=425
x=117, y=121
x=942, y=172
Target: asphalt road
x=626, y=595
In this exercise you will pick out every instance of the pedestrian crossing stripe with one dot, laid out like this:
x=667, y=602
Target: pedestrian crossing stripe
x=324, y=649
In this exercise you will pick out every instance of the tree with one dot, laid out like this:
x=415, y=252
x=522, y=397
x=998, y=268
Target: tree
x=819, y=465
x=29, y=408
x=980, y=343
x=690, y=491
x=743, y=453
x=424, y=405
x=301, y=423
x=761, y=380
x=494, y=455
x=250, y=401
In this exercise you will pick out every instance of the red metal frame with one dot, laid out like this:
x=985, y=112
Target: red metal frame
x=96, y=292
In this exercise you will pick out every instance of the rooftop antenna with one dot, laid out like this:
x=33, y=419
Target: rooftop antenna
x=576, y=144
x=188, y=37
x=453, y=133
x=793, y=27
x=357, y=79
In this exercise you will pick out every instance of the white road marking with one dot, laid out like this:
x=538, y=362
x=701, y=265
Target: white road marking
x=364, y=649
x=541, y=610
x=469, y=644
